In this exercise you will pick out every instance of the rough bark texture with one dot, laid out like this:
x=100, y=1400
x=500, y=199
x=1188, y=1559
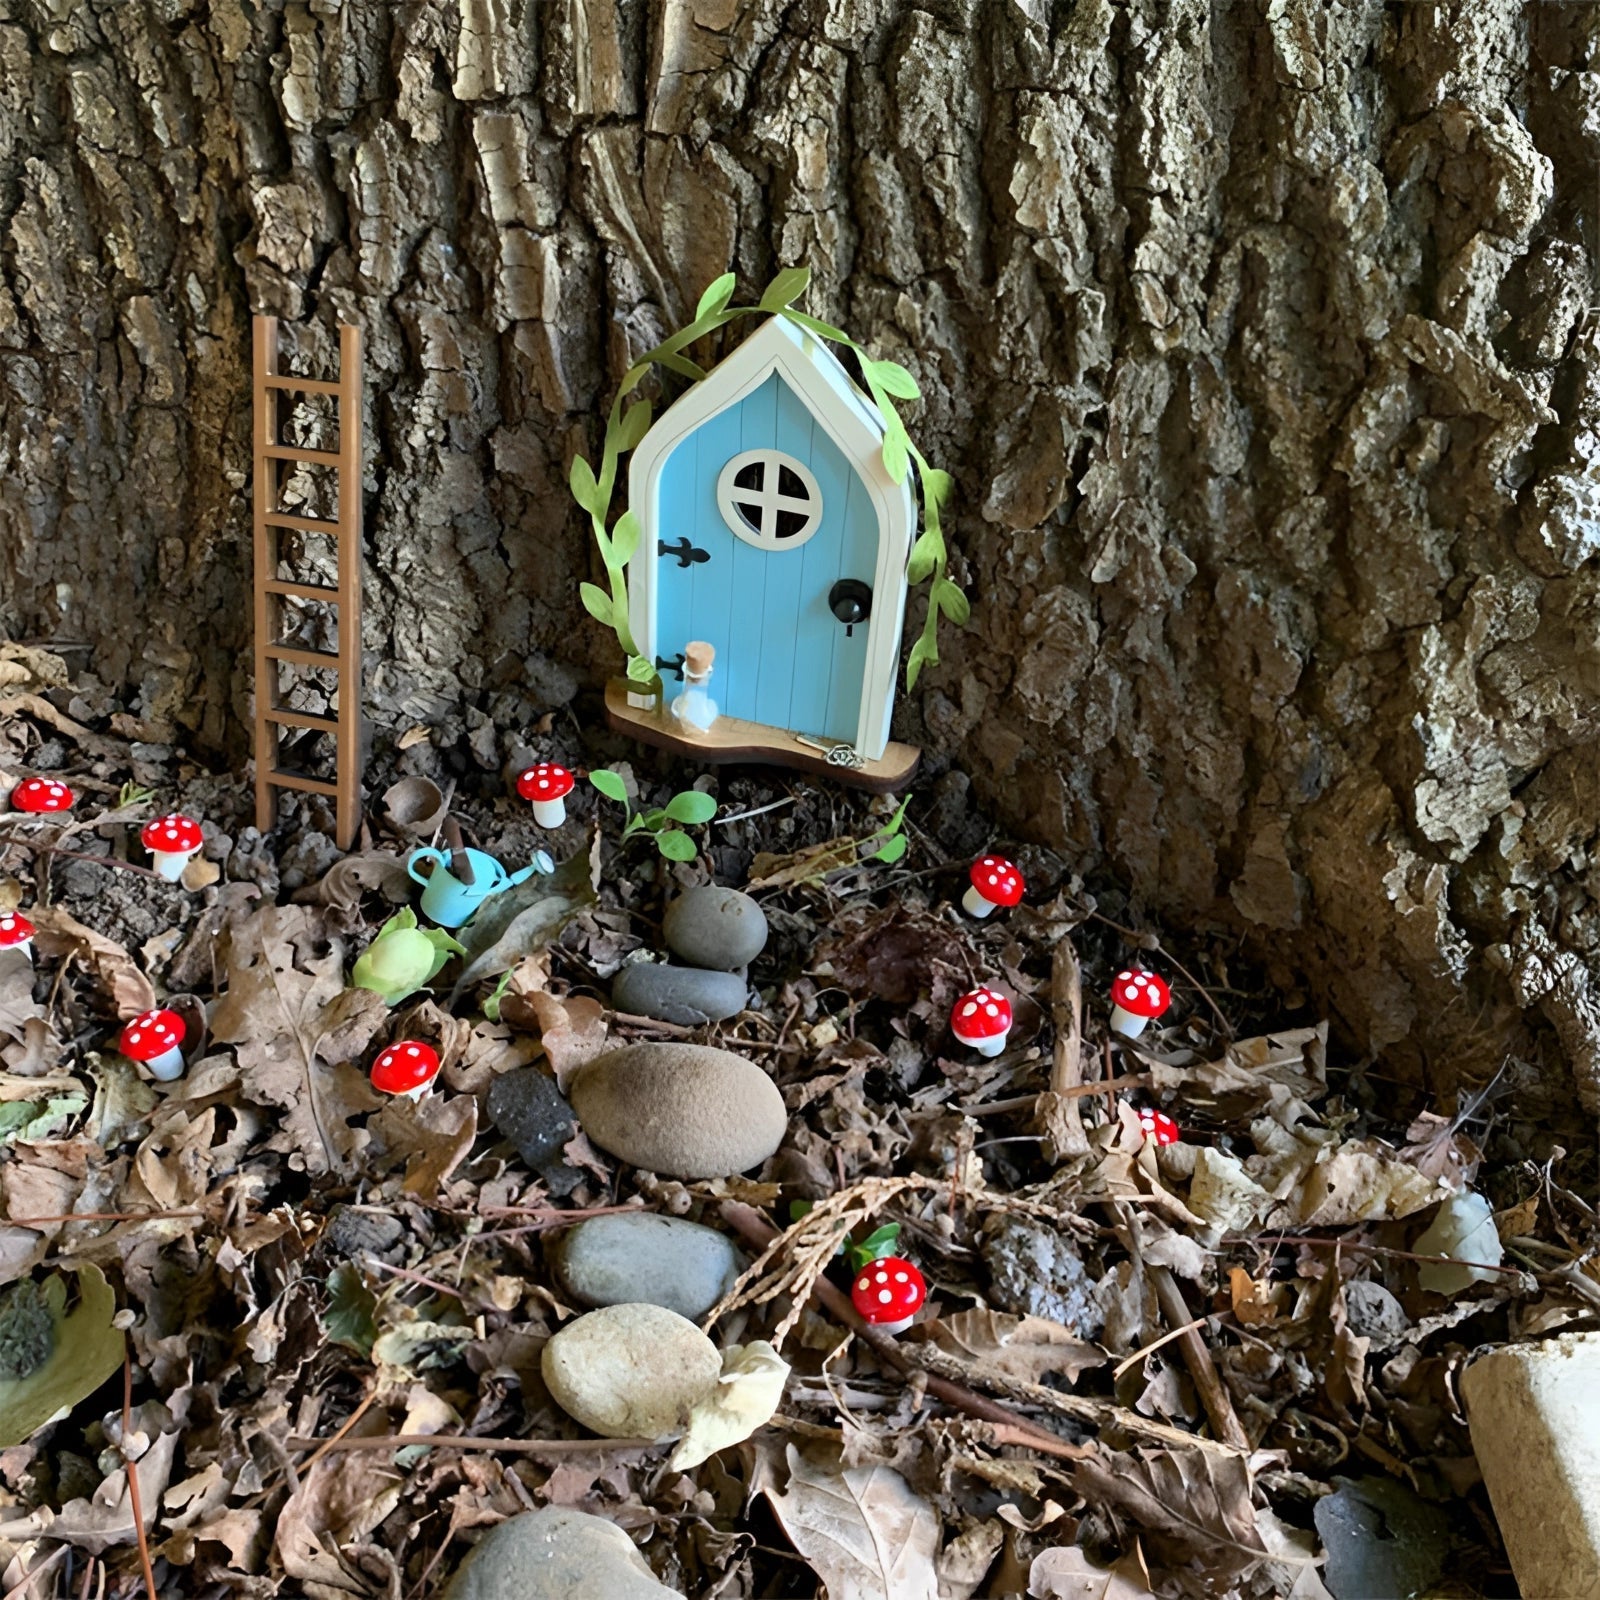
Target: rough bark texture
x=1253, y=332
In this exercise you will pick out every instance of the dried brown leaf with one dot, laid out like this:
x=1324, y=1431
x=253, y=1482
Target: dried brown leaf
x=1251, y=1072
x=432, y=1136
x=572, y=1030
x=60, y=934
x=896, y=955
x=1015, y=1346
x=1066, y=1573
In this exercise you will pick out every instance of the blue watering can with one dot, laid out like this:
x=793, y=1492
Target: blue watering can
x=448, y=901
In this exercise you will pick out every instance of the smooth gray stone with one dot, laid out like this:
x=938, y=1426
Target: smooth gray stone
x=683, y=1109
x=556, y=1554
x=640, y=1256
x=715, y=927
x=685, y=995
x=528, y=1109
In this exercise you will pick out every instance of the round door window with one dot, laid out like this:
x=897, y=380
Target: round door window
x=769, y=500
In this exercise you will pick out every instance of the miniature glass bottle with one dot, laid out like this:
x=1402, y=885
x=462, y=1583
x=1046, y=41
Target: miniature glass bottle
x=694, y=707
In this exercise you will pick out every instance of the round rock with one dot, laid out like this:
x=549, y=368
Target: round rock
x=556, y=1554
x=685, y=995
x=683, y=1109
x=640, y=1256
x=630, y=1371
x=713, y=927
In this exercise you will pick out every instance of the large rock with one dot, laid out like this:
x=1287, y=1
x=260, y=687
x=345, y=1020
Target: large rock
x=556, y=1554
x=640, y=1256
x=685, y=995
x=630, y=1371
x=526, y=1106
x=713, y=927
x=682, y=1109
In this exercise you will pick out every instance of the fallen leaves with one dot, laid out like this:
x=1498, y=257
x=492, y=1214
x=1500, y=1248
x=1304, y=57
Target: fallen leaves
x=76, y=1351
x=1025, y=1347
x=747, y=1394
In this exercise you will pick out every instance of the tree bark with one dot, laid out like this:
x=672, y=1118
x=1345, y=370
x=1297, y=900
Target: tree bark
x=1254, y=334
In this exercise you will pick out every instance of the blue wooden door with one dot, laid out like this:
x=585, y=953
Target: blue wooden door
x=783, y=657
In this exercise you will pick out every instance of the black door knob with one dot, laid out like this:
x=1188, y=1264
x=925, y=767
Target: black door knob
x=850, y=600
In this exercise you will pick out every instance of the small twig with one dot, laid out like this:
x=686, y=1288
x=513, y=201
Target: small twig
x=344, y=1428
x=99, y=1216
x=427, y=1283
x=1196, y=1352
x=132, y=1468
x=1382, y=1250
x=466, y=1441
x=1058, y=1116
x=99, y=861
x=759, y=811
x=1153, y=1346
x=29, y=1579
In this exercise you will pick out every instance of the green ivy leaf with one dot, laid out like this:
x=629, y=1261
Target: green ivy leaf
x=640, y=670
x=584, y=488
x=676, y=846
x=786, y=288
x=936, y=486
x=952, y=602
x=894, y=379
x=925, y=555
x=635, y=425
x=691, y=806
x=609, y=784
x=718, y=293
x=351, y=1304
x=817, y=325
x=896, y=458
x=596, y=602
x=625, y=537
x=682, y=365
x=893, y=849
x=922, y=652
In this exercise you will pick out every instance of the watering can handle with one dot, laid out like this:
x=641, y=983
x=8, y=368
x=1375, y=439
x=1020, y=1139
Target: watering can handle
x=426, y=853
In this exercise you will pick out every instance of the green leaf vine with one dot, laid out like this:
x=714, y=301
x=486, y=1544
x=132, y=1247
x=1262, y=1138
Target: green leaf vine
x=627, y=424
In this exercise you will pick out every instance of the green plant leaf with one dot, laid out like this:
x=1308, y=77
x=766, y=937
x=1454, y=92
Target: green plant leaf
x=625, y=537
x=609, y=784
x=76, y=1352
x=896, y=458
x=786, y=288
x=350, y=1319
x=925, y=554
x=952, y=602
x=682, y=365
x=491, y=1006
x=894, y=379
x=640, y=671
x=817, y=325
x=922, y=652
x=596, y=602
x=691, y=806
x=936, y=486
x=893, y=849
x=718, y=293
x=676, y=846
x=635, y=425
x=585, y=490
x=877, y=1244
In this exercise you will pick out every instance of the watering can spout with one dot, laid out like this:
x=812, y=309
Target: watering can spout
x=541, y=863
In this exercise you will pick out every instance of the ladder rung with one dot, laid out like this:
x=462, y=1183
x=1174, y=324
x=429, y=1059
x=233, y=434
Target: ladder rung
x=299, y=657
x=285, y=380
x=284, y=519
x=300, y=780
x=295, y=452
x=300, y=591
x=302, y=719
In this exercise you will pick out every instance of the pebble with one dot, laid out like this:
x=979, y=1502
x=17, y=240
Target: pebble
x=1038, y=1272
x=685, y=995
x=630, y=1371
x=640, y=1256
x=714, y=927
x=686, y=1110
x=556, y=1554
x=529, y=1110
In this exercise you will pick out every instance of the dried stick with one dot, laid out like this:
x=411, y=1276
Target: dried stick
x=1058, y=1116
x=754, y=1227
x=467, y=1441
x=1214, y=1394
x=132, y=1468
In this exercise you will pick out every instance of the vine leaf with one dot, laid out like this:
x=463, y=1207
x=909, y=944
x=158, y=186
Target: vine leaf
x=896, y=458
x=923, y=652
x=925, y=555
x=786, y=288
x=596, y=602
x=894, y=379
x=585, y=490
x=635, y=425
x=625, y=537
x=817, y=325
x=952, y=602
x=718, y=293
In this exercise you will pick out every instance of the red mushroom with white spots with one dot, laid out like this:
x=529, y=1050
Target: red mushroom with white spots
x=172, y=841
x=1137, y=997
x=16, y=932
x=982, y=1020
x=41, y=795
x=406, y=1068
x=888, y=1293
x=155, y=1038
x=547, y=786
x=1158, y=1127
x=995, y=882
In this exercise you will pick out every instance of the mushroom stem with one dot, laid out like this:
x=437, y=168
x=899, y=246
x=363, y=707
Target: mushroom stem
x=166, y=1066
x=550, y=813
x=1126, y=1023
x=992, y=1046
x=894, y=1327
x=169, y=864
x=974, y=904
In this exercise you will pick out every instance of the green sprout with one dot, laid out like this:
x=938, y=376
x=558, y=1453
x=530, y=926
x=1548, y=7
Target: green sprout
x=403, y=958
x=877, y=1244
x=892, y=834
x=133, y=794
x=691, y=807
x=886, y=382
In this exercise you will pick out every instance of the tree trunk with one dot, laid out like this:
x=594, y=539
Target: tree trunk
x=1254, y=334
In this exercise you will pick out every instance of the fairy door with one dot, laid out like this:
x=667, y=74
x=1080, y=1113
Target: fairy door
x=767, y=545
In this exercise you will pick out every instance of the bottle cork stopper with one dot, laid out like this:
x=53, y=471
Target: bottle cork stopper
x=697, y=658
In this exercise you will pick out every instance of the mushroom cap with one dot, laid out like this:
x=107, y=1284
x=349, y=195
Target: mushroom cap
x=15, y=929
x=41, y=794
x=1141, y=993
x=997, y=880
x=545, y=781
x=404, y=1066
x=980, y=1015
x=888, y=1290
x=172, y=834
x=1159, y=1126
x=151, y=1034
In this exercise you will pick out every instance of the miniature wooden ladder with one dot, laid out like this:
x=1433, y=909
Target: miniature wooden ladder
x=271, y=590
